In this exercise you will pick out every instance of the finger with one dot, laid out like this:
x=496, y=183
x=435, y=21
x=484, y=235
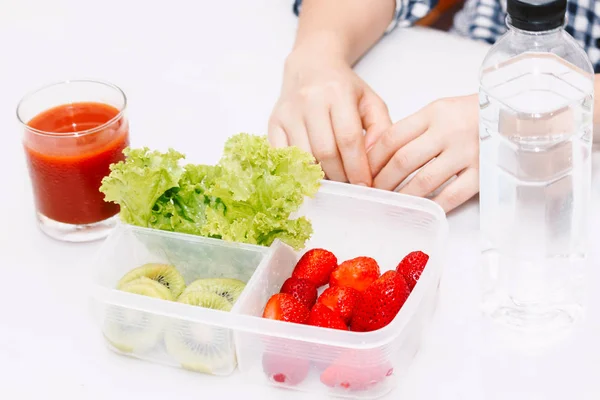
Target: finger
x=322, y=141
x=462, y=189
x=401, y=133
x=277, y=136
x=407, y=160
x=435, y=174
x=350, y=140
x=375, y=116
x=296, y=132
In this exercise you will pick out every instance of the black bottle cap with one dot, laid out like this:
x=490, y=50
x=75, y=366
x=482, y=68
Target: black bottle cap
x=536, y=15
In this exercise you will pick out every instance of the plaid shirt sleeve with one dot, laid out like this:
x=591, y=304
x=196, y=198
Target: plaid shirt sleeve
x=583, y=23
x=407, y=12
x=482, y=20
x=485, y=20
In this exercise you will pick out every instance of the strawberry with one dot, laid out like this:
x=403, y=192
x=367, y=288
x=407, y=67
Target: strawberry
x=380, y=302
x=284, y=307
x=315, y=266
x=356, y=370
x=322, y=316
x=341, y=300
x=285, y=369
x=412, y=266
x=304, y=291
x=357, y=273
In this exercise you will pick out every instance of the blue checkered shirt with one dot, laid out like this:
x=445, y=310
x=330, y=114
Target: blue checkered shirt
x=485, y=20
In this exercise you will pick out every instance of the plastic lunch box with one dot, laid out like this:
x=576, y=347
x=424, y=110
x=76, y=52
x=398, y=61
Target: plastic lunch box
x=348, y=220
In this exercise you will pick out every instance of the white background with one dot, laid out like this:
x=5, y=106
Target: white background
x=196, y=72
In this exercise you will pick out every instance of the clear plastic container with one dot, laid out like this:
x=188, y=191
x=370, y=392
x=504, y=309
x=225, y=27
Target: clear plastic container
x=350, y=221
x=159, y=331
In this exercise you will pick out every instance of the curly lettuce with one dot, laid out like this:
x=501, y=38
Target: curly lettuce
x=137, y=183
x=247, y=197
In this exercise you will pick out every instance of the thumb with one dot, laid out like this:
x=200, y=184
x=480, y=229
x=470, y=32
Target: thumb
x=374, y=115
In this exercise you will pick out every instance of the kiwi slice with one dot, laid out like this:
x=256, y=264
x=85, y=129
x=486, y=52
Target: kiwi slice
x=199, y=347
x=166, y=275
x=148, y=287
x=134, y=331
x=228, y=288
x=205, y=299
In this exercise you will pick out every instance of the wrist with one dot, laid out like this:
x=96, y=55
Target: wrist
x=322, y=46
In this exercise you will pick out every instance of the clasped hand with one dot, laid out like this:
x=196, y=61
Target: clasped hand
x=440, y=142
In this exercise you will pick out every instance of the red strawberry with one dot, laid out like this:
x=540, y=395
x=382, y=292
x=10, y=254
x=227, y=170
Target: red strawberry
x=412, y=266
x=315, y=266
x=322, y=316
x=380, y=303
x=284, y=307
x=356, y=370
x=357, y=273
x=341, y=300
x=285, y=369
x=304, y=291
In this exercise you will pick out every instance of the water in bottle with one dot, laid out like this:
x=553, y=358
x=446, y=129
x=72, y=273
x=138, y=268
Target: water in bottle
x=536, y=105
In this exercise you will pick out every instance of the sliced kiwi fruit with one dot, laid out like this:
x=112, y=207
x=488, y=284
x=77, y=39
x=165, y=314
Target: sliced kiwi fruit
x=205, y=299
x=199, y=347
x=148, y=287
x=228, y=288
x=134, y=331
x=166, y=275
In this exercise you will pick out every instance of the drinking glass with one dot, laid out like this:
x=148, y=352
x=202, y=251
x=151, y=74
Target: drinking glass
x=72, y=132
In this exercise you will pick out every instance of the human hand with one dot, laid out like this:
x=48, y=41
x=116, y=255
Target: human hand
x=323, y=109
x=444, y=132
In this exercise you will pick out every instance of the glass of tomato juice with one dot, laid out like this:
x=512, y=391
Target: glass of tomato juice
x=72, y=132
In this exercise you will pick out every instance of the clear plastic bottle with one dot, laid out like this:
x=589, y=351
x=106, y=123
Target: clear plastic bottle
x=536, y=108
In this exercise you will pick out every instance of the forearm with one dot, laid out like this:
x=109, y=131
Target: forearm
x=344, y=28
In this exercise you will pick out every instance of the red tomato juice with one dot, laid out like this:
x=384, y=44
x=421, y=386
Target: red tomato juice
x=66, y=164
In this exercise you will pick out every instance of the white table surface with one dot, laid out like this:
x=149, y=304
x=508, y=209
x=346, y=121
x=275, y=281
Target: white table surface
x=196, y=72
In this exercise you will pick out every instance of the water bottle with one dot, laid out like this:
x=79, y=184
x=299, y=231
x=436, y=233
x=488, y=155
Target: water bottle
x=535, y=130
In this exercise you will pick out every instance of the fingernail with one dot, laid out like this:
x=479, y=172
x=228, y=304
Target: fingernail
x=362, y=184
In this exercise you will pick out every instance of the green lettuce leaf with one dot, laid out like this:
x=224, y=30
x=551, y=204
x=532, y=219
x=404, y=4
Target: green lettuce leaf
x=247, y=197
x=260, y=187
x=139, y=181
